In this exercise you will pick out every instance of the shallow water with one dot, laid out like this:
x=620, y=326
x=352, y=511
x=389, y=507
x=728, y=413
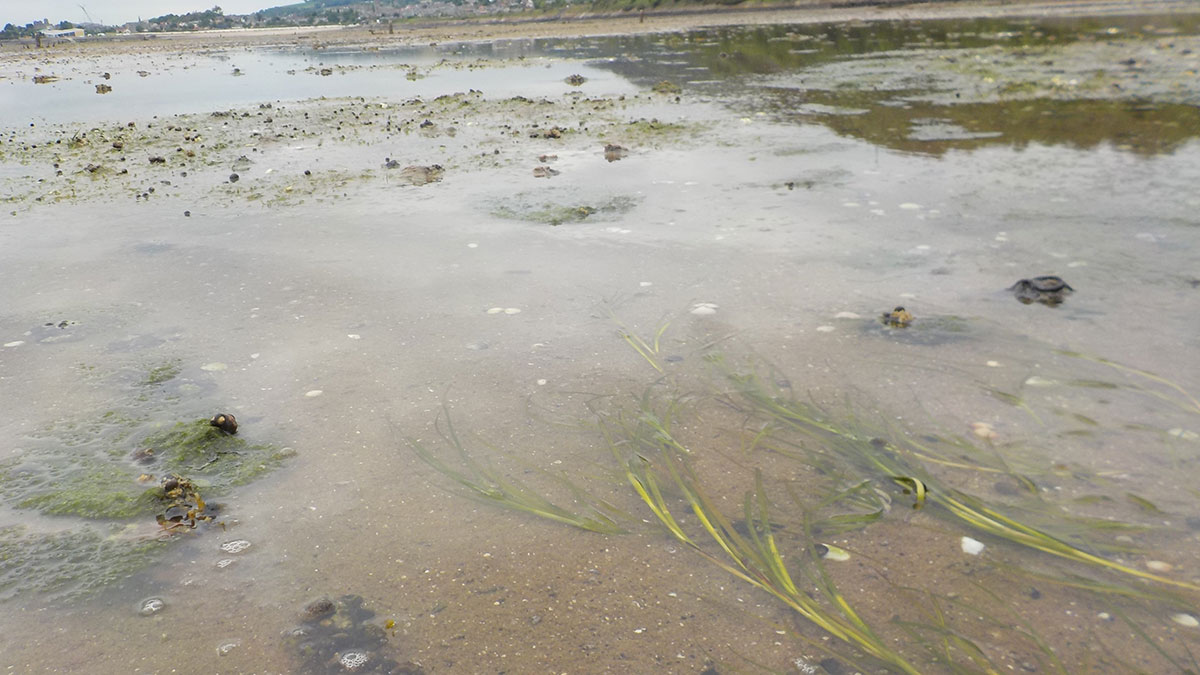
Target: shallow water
x=342, y=314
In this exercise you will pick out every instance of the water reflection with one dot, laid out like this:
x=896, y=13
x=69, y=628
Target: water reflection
x=803, y=82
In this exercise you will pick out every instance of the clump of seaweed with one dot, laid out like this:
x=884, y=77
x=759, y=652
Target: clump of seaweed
x=488, y=485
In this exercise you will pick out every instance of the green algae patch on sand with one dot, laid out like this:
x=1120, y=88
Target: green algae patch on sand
x=198, y=449
x=70, y=564
x=523, y=207
x=102, y=483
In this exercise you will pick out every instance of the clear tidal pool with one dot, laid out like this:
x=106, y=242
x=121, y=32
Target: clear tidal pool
x=538, y=376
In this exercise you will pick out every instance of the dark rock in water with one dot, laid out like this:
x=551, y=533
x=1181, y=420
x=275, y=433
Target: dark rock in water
x=233, y=178
x=1048, y=290
x=389, y=163
x=340, y=637
x=317, y=610
x=225, y=422
x=576, y=80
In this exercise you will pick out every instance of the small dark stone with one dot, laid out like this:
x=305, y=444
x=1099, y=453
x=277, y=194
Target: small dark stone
x=833, y=666
x=233, y=178
x=1006, y=488
x=1035, y=593
x=187, y=214
x=317, y=610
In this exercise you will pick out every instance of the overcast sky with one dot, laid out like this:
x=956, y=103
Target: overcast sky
x=113, y=12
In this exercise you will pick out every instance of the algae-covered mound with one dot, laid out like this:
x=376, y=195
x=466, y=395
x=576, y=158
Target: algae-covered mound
x=65, y=565
x=104, y=483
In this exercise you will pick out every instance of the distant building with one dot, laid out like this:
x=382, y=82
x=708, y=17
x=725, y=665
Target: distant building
x=63, y=32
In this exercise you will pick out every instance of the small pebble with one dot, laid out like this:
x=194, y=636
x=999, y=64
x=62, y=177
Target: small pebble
x=314, y=393
x=14, y=343
x=825, y=329
x=354, y=336
x=511, y=310
x=495, y=310
x=972, y=546
x=214, y=366
x=846, y=315
x=993, y=364
x=704, y=308
x=224, y=562
x=1104, y=616
x=909, y=206
x=1159, y=566
x=226, y=647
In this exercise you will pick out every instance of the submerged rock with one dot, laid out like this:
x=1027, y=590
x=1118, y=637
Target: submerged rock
x=421, y=175
x=343, y=636
x=1048, y=290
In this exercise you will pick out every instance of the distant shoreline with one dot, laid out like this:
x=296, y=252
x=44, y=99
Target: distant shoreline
x=582, y=24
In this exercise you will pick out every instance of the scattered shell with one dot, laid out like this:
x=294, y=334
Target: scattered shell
x=224, y=562
x=704, y=308
x=972, y=546
x=235, y=546
x=214, y=366
x=832, y=553
x=151, y=606
x=314, y=393
x=226, y=647
x=1037, y=381
x=993, y=364
x=644, y=284
x=909, y=206
x=1184, y=619
x=825, y=329
x=1104, y=616
x=354, y=336
x=846, y=315
x=541, y=382
x=1159, y=566
x=14, y=343
x=225, y=422
x=512, y=310
x=983, y=430
x=352, y=661
x=1184, y=434
x=495, y=310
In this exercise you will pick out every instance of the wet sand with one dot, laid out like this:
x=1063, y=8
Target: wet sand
x=342, y=309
